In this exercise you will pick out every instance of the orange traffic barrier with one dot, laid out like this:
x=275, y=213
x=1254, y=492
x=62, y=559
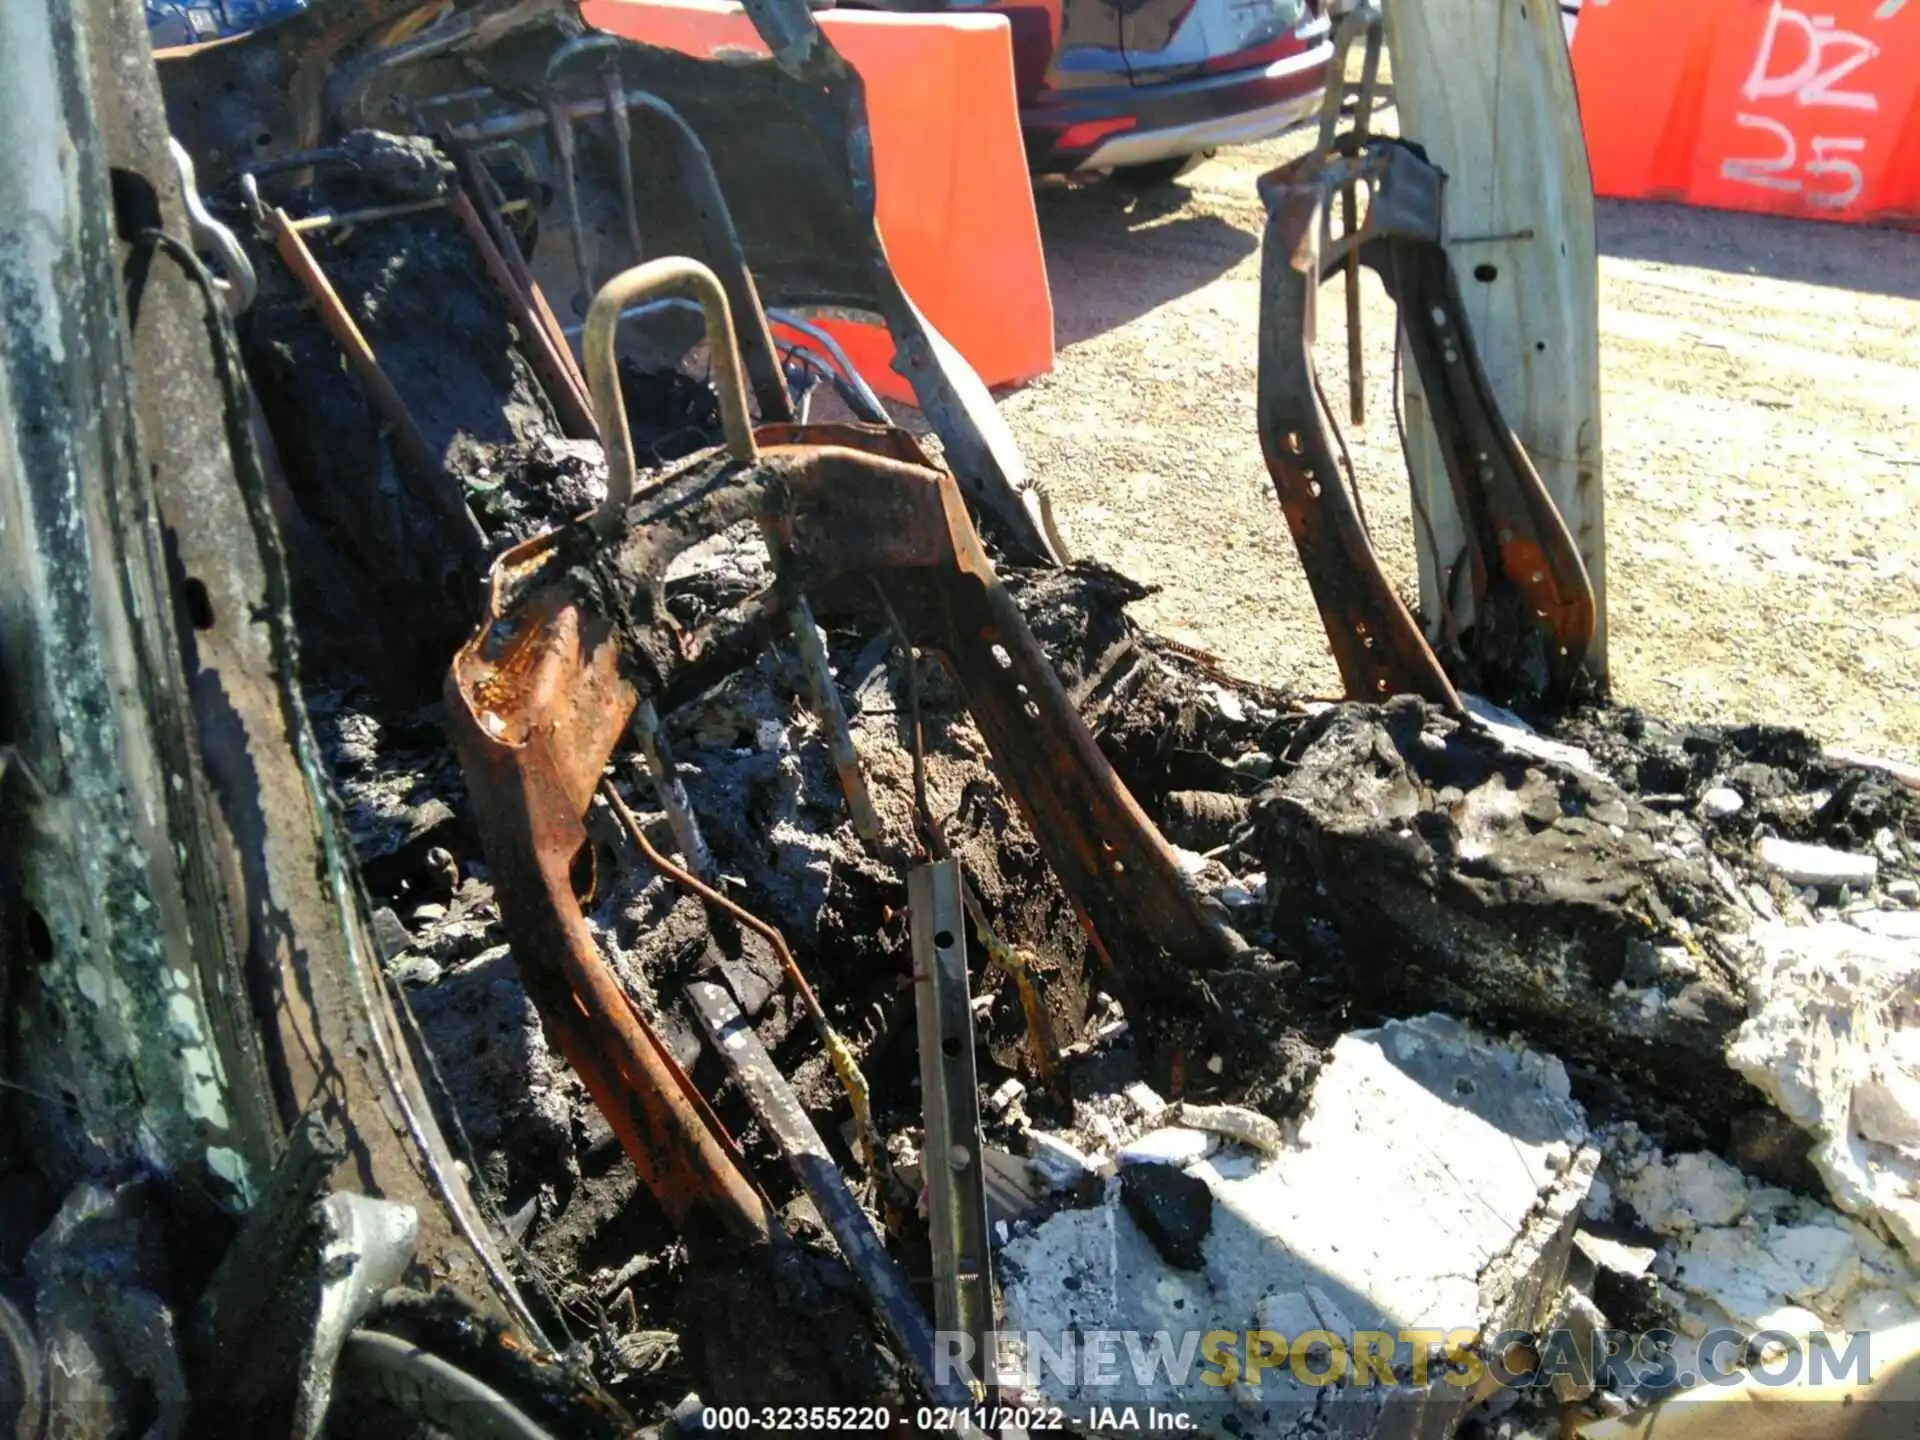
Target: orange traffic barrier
x=954, y=200
x=1755, y=104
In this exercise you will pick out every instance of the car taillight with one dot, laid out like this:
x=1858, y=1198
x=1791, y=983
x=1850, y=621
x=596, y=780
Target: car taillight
x=1091, y=132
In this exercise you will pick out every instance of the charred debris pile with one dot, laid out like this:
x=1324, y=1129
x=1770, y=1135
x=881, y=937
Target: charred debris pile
x=822, y=917
x=1586, y=889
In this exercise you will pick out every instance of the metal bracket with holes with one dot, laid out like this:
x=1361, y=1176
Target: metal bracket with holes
x=1534, y=603
x=950, y=1093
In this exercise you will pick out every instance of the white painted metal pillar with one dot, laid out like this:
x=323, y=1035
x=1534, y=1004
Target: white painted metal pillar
x=1486, y=86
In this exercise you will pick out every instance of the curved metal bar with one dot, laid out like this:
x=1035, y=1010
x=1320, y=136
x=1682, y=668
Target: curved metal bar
x=1375, y=642
x=577, y=46
x=240, y=285
x=871, y=410
x=674, y=275
x=719, y=238
x=1519, y=546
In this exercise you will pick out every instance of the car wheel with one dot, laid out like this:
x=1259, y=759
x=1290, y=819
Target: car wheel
x=1155, y=173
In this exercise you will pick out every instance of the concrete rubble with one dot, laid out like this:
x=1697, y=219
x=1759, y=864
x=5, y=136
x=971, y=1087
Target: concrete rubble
x=1820, y=866
x=1433, y=1180
x=1834, y=1042
x=1740, y=1256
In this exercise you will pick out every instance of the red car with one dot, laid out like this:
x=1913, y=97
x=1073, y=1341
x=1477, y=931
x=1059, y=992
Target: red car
x=1143, y=88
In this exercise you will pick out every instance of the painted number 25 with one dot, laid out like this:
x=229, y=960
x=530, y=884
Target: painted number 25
x=1775, y=172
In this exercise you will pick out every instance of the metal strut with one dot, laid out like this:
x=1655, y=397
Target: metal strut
x=1524, y=567
x=950, y=1090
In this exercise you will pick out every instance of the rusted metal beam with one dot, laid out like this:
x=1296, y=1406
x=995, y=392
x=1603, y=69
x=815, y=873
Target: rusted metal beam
x=706, y=201
x=556, y=373
x=536, y=704
x=851, y=501
x=1521, y=544
x=1375, y=642
x=779, y=1110
x=950, y=1093
x=1520, y=555
x=432, y=483
x=488, y=205
x=576, y=631
x=622, y=125
x=833, y=719
x=839, y=1053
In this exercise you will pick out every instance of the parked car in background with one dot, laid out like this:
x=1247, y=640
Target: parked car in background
x=1144, y=88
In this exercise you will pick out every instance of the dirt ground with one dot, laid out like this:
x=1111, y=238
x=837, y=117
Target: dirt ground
x=1761, y=383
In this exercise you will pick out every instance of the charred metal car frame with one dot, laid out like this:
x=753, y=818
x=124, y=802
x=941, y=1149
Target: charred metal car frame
x=205, y=1057
x=204, y=1062
x=783, y=140
x=577, y=633
x=159, y=751
x=1531, y=591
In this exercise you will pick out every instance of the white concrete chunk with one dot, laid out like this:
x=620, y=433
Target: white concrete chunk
x=1174, y=1145
x=1520, y=738
x=1833, y=1039
x=1615, y=1255
x=1886, y=1107
x=1878, y=1309
x=1055, y=1163
x=1722, y=802
x=1889, y=924
x=1147, y=1102
x=1235, y=1122
x=1432, y=1182
x=1687, y=1192
x=1819, y=865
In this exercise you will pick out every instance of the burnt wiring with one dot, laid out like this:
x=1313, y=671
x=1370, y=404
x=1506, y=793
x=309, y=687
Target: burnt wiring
x=1346, y=458
x=845, y=1065
x=1016, y=962
x=936, y=839
x=469, y=1156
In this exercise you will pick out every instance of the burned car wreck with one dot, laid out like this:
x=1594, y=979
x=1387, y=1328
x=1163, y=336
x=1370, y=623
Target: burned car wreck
x=566, y=874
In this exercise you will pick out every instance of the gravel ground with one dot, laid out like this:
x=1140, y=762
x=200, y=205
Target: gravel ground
x=1761, y=403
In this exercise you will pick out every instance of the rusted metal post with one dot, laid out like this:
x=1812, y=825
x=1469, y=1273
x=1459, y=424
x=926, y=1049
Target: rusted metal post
x=486, y=204
x=949, y=1087
x=536, y=710
x=560, y=131
x=561, y=380
x=785, y=1120
x=623, y=150
x=833, y=718
x=435, y=485
x=668, y=790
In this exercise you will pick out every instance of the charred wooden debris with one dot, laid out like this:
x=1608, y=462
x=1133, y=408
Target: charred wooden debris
x=552, y=886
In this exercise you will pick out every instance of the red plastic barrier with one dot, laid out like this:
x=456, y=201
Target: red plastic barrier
x=1755, y=104
x=950, y=173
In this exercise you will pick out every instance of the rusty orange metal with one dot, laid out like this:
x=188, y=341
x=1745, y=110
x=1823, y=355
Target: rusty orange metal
x=849, y=502
x=1519, y=559
x=537, y=703
x=577, y=629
